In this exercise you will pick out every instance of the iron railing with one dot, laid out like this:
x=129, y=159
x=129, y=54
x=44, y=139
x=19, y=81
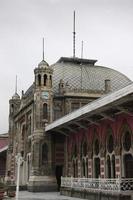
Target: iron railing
x=97, y=184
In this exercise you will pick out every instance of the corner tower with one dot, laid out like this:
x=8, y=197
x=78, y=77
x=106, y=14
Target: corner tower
x=14, y=105
x=43, y=95
x=42, y=177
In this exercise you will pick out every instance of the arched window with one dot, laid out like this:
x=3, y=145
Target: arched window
x=128, y=165
x=83, y=167
x=23, y=132
x=110, y=144
x=45, y=79
x=84, y=149
x=30, y=125
x=44, y=153
x=12, y=108
x=39, y=80
x=97, y=167
x=127, y=141
x=87, y=168
x=84, y=158
x=50, y=81
x=75, y=161
x=110, y=155
x=96, y=147
x=108, y=167
x=45, y=111
x=75, y=151
x=113, y=166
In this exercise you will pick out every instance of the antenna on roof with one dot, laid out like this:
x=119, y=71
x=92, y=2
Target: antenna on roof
x=74, y=33
x=82, y=49
x=16, y=85
x=81, y=64
x=43, y=50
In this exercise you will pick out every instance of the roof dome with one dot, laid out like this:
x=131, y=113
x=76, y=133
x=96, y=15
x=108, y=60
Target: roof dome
x=15, y=96
x=93, y=76
x=43, y=64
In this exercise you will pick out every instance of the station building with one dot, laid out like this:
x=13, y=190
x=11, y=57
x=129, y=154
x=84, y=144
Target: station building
x=74, y=120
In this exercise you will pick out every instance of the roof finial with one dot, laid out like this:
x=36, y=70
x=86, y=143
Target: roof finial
x=43, y=50
x=16, y=85
x=74, y=33
x=82, y=49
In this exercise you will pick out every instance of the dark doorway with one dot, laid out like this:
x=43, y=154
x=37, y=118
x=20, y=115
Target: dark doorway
x=97, y=167
x=108, y=167
x=113, y=166
x=128, y=162
x=58, y=173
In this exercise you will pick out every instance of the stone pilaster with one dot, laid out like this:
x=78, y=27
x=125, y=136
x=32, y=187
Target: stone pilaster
x=39, y=181
x=102, y=163
x=90, y=165
x=118, y=162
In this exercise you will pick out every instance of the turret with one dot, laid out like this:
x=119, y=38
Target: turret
x=43, y=76
x=43, y=95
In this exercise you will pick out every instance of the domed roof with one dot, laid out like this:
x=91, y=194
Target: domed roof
x=15, y=96
x=93, y=76
x=43, y=64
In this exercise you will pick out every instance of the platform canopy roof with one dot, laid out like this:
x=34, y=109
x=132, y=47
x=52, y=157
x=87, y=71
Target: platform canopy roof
x=3, y=142
x=106, y=107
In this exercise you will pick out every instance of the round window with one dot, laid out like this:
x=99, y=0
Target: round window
x=127, y=141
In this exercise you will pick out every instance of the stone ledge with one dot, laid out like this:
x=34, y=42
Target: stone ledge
x=94, y=195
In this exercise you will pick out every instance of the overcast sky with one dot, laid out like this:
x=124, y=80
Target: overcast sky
x=105, y=26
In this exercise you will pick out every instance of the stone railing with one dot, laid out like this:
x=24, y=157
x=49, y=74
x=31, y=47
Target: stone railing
x=97, y=184
x=2, y=178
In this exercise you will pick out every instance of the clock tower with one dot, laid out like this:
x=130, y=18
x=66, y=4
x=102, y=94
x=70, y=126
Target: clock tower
x=42, y=174
x=43, y=95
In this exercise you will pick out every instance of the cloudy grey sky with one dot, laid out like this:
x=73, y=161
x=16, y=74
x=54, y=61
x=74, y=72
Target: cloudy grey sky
x=105, y=26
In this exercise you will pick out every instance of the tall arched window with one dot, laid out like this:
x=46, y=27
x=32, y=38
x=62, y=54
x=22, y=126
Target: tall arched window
x=97, y=167
x=127, y=141
x=50, y=81
x=75, y=161
x=75, y=151
x=96, y=157
x=39, y=79
x=12, y=108
x=110, y=154
x=110, y=144
x=113, y=166
x=96, y=147
x=127, y=152
x=45, y=111
x=45, y=79
x=84, y=158
x=84, y=168
x=84, y=149
x=44, y=153
x=108, y=167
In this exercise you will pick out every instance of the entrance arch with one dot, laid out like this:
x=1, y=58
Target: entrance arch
x=128, y=165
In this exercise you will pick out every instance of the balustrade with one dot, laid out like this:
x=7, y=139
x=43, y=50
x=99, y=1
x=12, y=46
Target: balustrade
x=97, y=184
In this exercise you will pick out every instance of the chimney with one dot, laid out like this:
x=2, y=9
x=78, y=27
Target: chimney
x=107, y=85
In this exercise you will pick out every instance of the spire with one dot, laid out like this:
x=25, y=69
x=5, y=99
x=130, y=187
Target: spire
x=16, y=85
x=74, y=33
x=16, y=96
x=43, y=63
x=82, y=49
x=43, y=50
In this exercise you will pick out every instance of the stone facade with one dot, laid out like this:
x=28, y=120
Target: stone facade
x=48, y=156
x=103, y=150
